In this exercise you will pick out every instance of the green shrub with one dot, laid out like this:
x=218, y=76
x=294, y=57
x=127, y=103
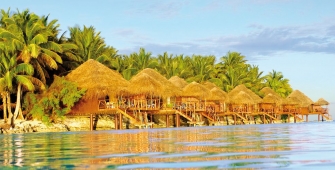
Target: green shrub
x=55, y=102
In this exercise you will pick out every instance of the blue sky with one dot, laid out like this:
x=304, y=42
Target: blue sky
x=296, y=37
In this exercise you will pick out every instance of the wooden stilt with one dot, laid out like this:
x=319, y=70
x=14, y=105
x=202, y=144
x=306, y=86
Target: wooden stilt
x=116, y=121
x=167, y=120
x=120, y=121
x=307, y=118
x=289, y=118
x=318, y=117
x=263, y=118
x=295, y=121
x=177, y=120
x=234, y=119
x=91, y=122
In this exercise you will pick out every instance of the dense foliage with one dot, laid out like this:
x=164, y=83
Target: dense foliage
x=55, y=102
x=36, y=42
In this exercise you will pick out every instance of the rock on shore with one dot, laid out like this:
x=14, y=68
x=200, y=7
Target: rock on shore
x=68, y=124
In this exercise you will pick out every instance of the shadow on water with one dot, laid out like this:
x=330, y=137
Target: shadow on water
x=243, y=146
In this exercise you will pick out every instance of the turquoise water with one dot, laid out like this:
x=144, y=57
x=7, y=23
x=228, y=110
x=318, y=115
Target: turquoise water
x=274, y=146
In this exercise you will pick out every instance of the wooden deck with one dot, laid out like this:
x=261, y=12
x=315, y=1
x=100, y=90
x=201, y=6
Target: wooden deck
x=198, y=114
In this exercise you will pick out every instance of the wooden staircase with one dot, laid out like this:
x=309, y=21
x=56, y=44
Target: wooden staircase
x=296, y=116
x=272, y=117
x=245, y=120
x=132, y=119
x=328, y=117
x=209, y=117
x=184, y=115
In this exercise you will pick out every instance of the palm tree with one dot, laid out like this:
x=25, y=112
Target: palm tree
x=276, y=81
x=143, y=60
x=231, y=71
x=90, y=45
x=11, y=74
x=32, y=38
x=165, y=62
x=202, y=67
x=255, y=80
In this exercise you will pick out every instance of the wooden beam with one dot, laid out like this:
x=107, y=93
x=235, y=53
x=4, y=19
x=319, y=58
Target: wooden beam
x=116, y=121
x=91, y=122
x=234, y=119
x=120, y=121
x=167, y=120
x=307, y=118
x=318, y=117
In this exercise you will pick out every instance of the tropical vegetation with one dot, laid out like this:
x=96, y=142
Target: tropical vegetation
x=34, y=51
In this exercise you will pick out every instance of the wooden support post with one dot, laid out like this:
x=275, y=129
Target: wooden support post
x=116, y=121
x=295, y=120
x=234, y=119
x=167, y=120
x=307, y=118
x=318, y=117
x=178, y=120
x=120, y=121
x=91, y=122
x=288, y=118
x=263, y=118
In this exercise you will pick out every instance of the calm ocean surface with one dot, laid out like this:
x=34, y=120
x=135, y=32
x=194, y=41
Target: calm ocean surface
x=274, y=146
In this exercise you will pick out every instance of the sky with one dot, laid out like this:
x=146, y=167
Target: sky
x=295, y=37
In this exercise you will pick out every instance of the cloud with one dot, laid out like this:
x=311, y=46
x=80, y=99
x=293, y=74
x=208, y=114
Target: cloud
x=260, y=41
x=130, y=34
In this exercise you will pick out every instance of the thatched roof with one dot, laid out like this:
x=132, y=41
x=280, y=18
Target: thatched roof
x=241, y=98
x=305, y=101
x=177, y=81
x=98, y=79
x=209, y=85
x=169, y=88
x=195, y=90
x=218, y=94
x=271, y=98
x=292, y=101
x=242, y=87
x=268, y=90
x=145, y=84
x=321, y=102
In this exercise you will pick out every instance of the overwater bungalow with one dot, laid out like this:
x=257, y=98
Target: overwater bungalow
x=148, y=96
x=217, y=102
x=240, y=106
x=320, y=107
x=103, y=86
x=192, y=102
x=177, y=81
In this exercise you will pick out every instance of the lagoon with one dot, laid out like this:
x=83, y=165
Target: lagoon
x=276, y=146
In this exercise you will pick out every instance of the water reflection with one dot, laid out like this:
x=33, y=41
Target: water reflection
x=248, y=146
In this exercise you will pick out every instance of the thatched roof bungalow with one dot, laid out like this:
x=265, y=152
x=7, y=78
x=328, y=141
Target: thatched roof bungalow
x=143, y=84
x=169, y=89
x=209, y=85
x=272, y=99
x=242, y=87
x=267, y=90
x=217, y=94
x=177, y=81
x=197, y=90
x=321, y=102
x=304, y=100
x=99, y=82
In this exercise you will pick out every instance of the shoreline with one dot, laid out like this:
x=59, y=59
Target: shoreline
x=78, y=124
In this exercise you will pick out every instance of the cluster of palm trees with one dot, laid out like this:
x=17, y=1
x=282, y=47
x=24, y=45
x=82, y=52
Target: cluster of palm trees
x=33, y=49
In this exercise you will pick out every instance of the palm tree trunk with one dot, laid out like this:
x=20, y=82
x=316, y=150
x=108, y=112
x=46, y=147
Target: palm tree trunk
x=9, y=109
x=18, y=102
x=4, y=104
